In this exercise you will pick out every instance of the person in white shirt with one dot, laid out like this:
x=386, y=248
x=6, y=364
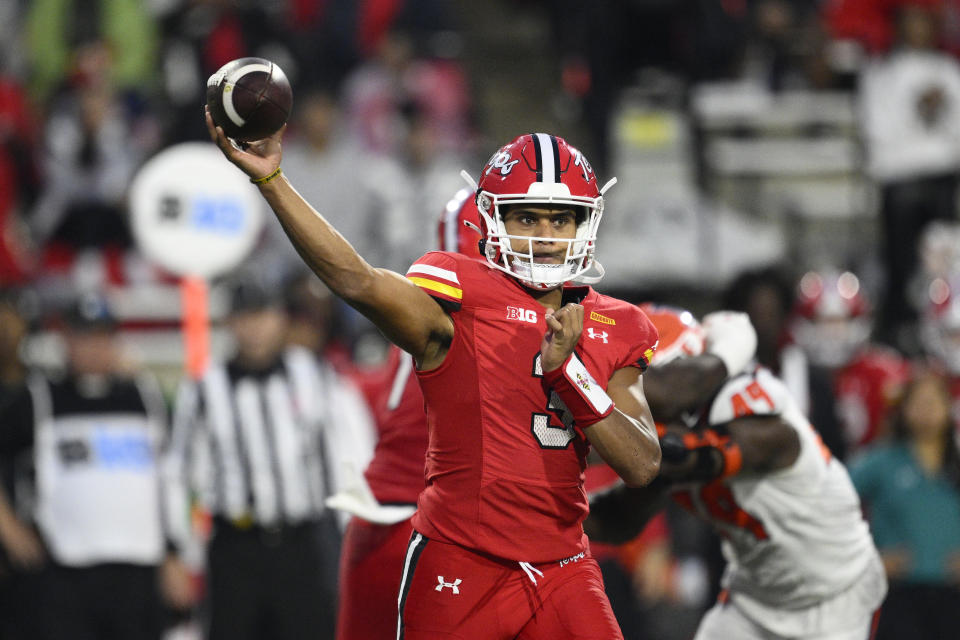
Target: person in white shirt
x=910, y=118
x=801, y=563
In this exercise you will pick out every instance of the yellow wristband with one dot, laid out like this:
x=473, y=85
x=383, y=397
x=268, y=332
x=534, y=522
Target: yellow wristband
x=267, y=178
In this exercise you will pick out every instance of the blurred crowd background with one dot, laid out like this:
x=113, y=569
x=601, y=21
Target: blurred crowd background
x=794, y=159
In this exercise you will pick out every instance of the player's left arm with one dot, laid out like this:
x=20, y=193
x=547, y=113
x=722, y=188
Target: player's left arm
x=627, y=438
x=753, y=443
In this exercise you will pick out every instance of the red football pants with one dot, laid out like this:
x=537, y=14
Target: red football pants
x=371, y=563
x=448, y=592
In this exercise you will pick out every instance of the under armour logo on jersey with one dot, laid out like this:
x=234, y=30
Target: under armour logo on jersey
x=601, y=335
x=501, y=160
x=454, y=586
x=523, y=315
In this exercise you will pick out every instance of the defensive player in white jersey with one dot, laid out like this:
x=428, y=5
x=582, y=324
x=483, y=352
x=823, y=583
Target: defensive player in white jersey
x=801, y=563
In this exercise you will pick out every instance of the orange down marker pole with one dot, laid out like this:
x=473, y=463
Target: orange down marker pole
x=194, y=296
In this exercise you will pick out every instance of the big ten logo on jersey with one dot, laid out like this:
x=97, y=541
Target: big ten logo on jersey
x=548, y=434
x=523, y=315
x=501, y=160
x=751, y=400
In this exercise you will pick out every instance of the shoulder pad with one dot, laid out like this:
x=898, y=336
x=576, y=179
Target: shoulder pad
x=437, y=274
x=753, y=393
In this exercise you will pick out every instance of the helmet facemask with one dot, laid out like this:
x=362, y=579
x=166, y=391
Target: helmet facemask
x=540, y=170
x=499, y=247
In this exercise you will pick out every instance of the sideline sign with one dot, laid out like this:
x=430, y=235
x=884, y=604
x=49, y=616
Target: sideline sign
x=194, y=213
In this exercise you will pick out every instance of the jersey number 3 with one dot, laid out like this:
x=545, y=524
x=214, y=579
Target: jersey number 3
x=551, y=436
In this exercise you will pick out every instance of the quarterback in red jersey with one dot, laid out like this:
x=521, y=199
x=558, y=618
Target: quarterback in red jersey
x=376, y=537
x=521, y=374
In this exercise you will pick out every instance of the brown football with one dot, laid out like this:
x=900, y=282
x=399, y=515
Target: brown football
x=250, y=98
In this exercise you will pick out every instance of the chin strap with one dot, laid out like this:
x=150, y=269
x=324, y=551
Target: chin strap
x=591, y=278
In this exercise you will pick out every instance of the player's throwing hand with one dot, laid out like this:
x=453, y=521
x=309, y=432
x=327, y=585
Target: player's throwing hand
x=564, y=327
x=256, y=159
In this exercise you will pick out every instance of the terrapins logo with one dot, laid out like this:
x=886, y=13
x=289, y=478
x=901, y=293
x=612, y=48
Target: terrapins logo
x=583, y=163
x=582, y=382
x=501, y=160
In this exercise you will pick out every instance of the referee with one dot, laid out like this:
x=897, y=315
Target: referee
x=254, y=443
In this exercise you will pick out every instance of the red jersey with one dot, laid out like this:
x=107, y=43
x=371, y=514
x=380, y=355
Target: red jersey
x=866, y=389
x=504, y=471
x=395, y=474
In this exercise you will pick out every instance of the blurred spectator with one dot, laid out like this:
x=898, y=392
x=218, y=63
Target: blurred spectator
x=19, y=178
x=910, y=102
x=853, y=383
x=261, y=440
x=57, y=30
x=871, y=25
x=910, y=490
x=431, y=173
x=323, y=37
x=602, y=45
x=15, y=587
x=88, y=515
x=12, y=59
x=318, y=323
x=383, y=208
x=93, y=143
x=766, y=296
x=782, y=43
x=940, y=335
x=13, y=329
x=368, y=206
x=399, y=79
x=199, y=37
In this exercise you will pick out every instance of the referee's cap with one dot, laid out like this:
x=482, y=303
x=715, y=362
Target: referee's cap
x=250, y=293
x=90, y=311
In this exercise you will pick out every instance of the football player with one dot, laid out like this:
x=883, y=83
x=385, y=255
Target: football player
x=384, y=498
x=521, y=375
x=940, y=334
x=800, y=559
x=852, y=382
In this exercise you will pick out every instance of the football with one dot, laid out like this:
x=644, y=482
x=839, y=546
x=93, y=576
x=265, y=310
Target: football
x=250, y=98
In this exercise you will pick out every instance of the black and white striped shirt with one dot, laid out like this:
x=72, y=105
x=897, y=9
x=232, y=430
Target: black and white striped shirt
x=265, y=447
